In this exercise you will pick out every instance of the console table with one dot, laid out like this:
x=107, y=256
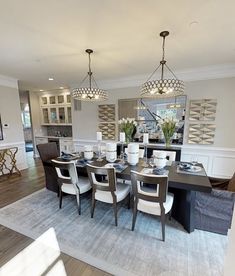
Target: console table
x=5, y=155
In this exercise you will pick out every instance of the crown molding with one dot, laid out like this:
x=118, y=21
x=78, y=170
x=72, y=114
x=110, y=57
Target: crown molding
x=187, y=75
x=8, y=82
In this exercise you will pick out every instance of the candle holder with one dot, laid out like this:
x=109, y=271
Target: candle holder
x=145, y=164
x=122, y=155
x=99, y=151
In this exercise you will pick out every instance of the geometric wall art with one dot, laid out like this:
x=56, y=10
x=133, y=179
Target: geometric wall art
x=107, y=124
x=201, y=134
x=202, y=110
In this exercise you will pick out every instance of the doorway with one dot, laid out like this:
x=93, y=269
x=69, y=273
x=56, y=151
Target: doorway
x=26, y=120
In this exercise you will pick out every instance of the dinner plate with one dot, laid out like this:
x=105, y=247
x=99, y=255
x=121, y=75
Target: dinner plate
x=193, y=169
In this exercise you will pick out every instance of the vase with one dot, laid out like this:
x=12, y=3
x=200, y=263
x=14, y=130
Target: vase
x=168, y=142
x=128, y=138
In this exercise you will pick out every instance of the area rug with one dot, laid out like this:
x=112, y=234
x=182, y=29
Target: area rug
x=117, y=250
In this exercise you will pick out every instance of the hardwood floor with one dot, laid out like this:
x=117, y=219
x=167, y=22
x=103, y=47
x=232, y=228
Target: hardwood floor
x=11, y=242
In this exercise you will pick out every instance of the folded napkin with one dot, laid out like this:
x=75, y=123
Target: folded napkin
x=185, y=166
x=119, y=167
x=160, y=171
x=83, y=162
x=155, y=171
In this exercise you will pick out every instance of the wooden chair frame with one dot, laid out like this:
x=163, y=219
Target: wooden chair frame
x=162, y=182
x=97, y=185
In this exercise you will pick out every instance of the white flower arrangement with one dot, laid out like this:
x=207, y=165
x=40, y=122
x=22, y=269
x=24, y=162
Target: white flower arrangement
x=168, y=126
x=128, y=126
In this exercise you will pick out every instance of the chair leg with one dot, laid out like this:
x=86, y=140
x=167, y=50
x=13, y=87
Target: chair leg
x=115, y=212
x=163, y=222
x=134, y=216
x=79, y=203
x=92, y=205
x=170, y=214
x=61, y=195
x=129, y=201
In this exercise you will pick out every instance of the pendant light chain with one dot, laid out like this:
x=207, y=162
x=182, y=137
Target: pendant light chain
x=89, y=68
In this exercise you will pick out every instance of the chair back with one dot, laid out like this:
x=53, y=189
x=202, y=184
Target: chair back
x=170, y=155
x=47, y=151
x=66, y=167
x=158, y=182
x=106, y=180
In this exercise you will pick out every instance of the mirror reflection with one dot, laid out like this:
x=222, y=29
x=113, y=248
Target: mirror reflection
x=148, y=112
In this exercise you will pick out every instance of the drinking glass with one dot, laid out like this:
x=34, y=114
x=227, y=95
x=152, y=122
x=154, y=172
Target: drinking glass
x=151, y=162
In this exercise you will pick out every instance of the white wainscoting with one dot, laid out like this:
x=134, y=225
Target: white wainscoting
x=21, y=162
x=218, y=162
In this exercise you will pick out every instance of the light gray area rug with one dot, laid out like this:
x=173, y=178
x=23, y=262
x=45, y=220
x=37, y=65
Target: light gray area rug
x=117, y=250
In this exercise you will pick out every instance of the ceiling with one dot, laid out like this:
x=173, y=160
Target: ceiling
x=47, y=38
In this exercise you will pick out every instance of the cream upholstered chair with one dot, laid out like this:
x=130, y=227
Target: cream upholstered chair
x=153, y=200
x=71, y=184
x=106, y=188
x=170, y=155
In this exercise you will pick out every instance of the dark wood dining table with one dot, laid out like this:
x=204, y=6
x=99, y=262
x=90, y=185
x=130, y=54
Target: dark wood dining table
x=183, y=185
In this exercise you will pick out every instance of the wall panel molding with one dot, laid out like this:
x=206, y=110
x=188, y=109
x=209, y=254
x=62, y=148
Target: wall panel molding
x=218, y=162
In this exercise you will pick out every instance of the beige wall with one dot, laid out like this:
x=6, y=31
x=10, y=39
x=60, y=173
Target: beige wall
x=85, y=121
x=11, y=114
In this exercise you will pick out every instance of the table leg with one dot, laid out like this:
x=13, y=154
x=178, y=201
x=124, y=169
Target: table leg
x=184, y=208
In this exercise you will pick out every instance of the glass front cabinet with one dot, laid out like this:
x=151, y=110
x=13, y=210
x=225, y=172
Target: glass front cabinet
x=56, y=109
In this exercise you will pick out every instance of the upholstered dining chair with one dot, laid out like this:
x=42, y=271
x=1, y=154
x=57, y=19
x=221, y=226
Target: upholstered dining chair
x=47, y=152
x=214, y=210
x=71, y=184
x=105, y=188
x=170, y=155
x=153, y=200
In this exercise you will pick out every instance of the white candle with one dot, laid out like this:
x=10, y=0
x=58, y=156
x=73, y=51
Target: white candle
x=146, y=138
x=99, y=136
x=122, y=137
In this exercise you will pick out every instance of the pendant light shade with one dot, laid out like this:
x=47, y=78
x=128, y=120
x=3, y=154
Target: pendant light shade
x=89, y=93
x=162, y=88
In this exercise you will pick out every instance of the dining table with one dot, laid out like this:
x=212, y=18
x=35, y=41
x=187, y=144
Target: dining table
x=182, y=184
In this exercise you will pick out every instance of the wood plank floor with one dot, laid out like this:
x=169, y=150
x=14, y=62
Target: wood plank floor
x=11, y=242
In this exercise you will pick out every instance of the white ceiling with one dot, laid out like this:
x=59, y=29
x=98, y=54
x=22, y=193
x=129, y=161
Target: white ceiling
x=47, y=38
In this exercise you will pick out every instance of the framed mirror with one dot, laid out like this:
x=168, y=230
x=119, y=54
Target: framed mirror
x=148, y=111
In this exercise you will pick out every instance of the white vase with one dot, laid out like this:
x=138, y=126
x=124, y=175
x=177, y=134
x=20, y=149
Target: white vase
x=111, y=152
x=88, y=152
x=160, y=159
x=133, y=154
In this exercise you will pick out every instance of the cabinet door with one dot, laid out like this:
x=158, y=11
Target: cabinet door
x=52, y=100
x=53, y=115
x=68, y=98
x=127, y=108
x=69, y=115
x=44, y=100
x=41, y=140
x=60, y=99
x=61, y=111
x=45, y=116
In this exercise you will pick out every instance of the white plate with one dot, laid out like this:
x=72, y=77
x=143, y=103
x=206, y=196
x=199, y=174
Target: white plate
x=109, y=165
x=194, y=169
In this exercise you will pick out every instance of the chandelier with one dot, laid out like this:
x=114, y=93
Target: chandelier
x=162, y=88
x=89, y=93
